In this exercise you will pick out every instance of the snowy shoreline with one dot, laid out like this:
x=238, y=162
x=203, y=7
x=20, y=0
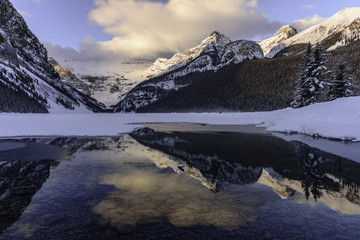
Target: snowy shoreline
x=339, y=119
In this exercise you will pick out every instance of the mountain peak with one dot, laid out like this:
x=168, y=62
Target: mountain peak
x=344, y=17
x=287, y=30
x=216, y=37
x=215, y=42
x=216, y=33
x=348, y=11
x=284, y=33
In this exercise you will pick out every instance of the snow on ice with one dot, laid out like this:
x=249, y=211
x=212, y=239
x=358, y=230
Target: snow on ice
x=339, y=119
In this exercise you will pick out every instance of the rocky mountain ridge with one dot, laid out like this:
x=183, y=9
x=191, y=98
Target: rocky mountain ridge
x=69, y=78
x=25, y=71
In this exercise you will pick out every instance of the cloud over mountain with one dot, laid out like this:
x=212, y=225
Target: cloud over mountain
x=302, y=24
x=147, y=28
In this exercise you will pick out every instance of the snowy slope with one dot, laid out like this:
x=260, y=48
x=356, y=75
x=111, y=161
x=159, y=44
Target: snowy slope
x=341, y=23
x=339, y=119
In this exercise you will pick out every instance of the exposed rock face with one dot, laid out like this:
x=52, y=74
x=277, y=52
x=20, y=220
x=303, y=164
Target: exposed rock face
x=69, y=78
x=26, y=72
x=349, y=34
x=213, y=53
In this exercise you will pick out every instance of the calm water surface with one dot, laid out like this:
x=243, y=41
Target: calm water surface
x=177, y=184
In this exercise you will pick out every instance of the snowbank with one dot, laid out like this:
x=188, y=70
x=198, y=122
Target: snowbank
x=339, y=119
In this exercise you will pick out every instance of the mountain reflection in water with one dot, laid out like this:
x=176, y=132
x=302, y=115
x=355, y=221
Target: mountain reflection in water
x=178, y=185
x=240, y=158
x=19, y=182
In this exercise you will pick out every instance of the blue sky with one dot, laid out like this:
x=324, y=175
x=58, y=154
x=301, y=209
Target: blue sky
x=151, y=27
x=62, y=22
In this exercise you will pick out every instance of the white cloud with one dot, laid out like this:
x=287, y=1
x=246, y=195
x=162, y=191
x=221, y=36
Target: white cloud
x=26, y=14
x=146, y=28
x=302, y=24
x=307, y=7
x=88, y=50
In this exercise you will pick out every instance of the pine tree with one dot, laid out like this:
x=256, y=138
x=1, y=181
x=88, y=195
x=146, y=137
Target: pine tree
x=310, y=81
x=340, y=84
x=299, y=88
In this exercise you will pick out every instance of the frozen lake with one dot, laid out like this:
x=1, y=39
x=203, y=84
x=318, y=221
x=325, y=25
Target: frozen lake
x=180, y=181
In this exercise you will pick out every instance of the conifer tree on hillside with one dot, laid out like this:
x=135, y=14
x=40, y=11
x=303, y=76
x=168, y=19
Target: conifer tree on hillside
x=311, y=76
x=303, y=74
x=340, y=84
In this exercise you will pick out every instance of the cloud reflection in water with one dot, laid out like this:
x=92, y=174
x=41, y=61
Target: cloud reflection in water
x=150, y=195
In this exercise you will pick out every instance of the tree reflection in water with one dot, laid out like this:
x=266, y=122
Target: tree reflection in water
x=312, y=173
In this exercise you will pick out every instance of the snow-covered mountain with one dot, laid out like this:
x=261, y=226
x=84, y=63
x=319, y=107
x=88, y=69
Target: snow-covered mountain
x=106, y=81
x=214, y=53
x=335, y=31
x=218, y=50
x=283, y=34
x=215, y=42
x=28, y=83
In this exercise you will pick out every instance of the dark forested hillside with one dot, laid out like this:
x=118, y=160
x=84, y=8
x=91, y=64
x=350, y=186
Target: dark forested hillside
x=252, y=86
x=351, y=53
x=11, y=99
